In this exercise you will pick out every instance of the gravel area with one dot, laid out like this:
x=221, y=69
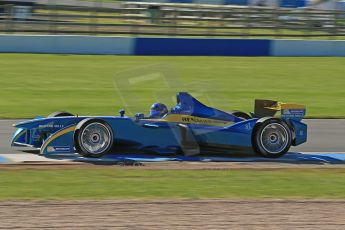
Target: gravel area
x=173, y=214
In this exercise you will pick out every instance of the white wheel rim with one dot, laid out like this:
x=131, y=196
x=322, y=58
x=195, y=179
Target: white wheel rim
x=274, y=138
x=95, y=138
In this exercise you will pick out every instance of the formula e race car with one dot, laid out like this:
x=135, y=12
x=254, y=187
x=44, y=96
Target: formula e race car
x=189, y=128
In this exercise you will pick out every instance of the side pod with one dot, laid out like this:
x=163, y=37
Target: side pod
x=59, y=142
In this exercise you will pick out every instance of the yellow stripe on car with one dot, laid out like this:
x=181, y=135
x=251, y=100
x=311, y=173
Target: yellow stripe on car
x=281, y=105
x=292, y=106
x=188, y=119
x=56, y=135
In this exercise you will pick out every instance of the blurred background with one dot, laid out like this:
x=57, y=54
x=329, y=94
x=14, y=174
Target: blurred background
x=137, y=28
x=305, y=19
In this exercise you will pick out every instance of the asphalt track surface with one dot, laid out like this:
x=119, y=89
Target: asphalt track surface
x=324, y=136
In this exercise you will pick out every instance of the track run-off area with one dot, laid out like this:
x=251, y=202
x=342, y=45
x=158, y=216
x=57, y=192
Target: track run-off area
x=297, y=207
x=174, y=214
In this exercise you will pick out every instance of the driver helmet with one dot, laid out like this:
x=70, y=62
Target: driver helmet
x=158, y=110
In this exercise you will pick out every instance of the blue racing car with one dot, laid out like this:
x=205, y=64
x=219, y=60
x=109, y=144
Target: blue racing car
x=189, y=128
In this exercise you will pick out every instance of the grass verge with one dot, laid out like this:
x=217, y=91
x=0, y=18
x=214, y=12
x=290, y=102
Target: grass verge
x=37, y=84
x=115, y=183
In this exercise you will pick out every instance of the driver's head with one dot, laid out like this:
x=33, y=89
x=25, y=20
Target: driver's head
x=158, y=110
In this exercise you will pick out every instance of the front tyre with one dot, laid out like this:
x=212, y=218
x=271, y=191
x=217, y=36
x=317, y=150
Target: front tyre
x=272, y=138
x=93, y=138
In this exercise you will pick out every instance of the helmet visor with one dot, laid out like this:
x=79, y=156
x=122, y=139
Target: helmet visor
x=155, y=113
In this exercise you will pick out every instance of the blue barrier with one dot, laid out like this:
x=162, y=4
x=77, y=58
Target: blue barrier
x=307, y=48
x=181, y=1
x=236, y=2
x=201, y=47
x=167, y=46
x=66, y=44
x=293, y=3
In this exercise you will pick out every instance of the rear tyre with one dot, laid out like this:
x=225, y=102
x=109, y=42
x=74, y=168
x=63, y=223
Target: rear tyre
x=93, y=138
x=61, y=114
x=271, y=138
x=240, y=114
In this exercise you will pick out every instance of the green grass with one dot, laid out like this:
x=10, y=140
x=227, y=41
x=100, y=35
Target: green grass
x=115, y=183
x=84, y=84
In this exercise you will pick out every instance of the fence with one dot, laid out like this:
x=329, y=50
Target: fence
x=173, y=20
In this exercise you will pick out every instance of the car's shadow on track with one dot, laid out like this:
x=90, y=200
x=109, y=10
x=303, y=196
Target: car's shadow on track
x=128, y=158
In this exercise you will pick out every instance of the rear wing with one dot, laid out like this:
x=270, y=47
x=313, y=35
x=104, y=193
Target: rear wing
x=264, y=108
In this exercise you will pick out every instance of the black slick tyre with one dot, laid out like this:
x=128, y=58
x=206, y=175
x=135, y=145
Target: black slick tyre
x=271, y=138
x=93, y=138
